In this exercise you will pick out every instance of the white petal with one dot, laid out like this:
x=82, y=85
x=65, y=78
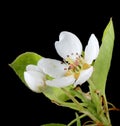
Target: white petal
x=52, y=67
x=92, y=49
x=84, y=76
x=33, y=68
x=34, y=80
x=68, y=44
x=61, y=82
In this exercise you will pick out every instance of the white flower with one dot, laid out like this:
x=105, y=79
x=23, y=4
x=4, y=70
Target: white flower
x=34, y=78
x=69, y=48
x=76, y=68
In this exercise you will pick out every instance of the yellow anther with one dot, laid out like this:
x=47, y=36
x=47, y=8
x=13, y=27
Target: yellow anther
x=68, y=73
x=76, y=75
x=86, y=66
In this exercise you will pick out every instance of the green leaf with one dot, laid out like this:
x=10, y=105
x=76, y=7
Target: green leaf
x=53, y=124
x=20, y=63
x=103, y=61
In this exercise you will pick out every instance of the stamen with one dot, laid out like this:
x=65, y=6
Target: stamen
x=75, y=66
x=76, y=75
x=76, y=62
x=69, y=72
x=86, y=66
x=65, y=68
x=71, y=66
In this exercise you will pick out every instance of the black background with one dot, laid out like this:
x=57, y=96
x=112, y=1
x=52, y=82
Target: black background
x=30, y=28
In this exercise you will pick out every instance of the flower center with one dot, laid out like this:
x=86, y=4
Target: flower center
x=75, y=66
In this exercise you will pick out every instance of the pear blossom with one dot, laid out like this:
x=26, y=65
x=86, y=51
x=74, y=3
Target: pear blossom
x=78, y=67
x=75, y=69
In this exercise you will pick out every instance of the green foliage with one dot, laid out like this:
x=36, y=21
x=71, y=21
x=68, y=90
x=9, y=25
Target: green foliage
x=20, y=63
x=92, y=106
x=103, y=61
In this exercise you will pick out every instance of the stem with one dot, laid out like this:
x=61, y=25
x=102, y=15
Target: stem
x=104, y=116
x=73, y=99
x=81, y=109
x=107, y=111
x=73, y=121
